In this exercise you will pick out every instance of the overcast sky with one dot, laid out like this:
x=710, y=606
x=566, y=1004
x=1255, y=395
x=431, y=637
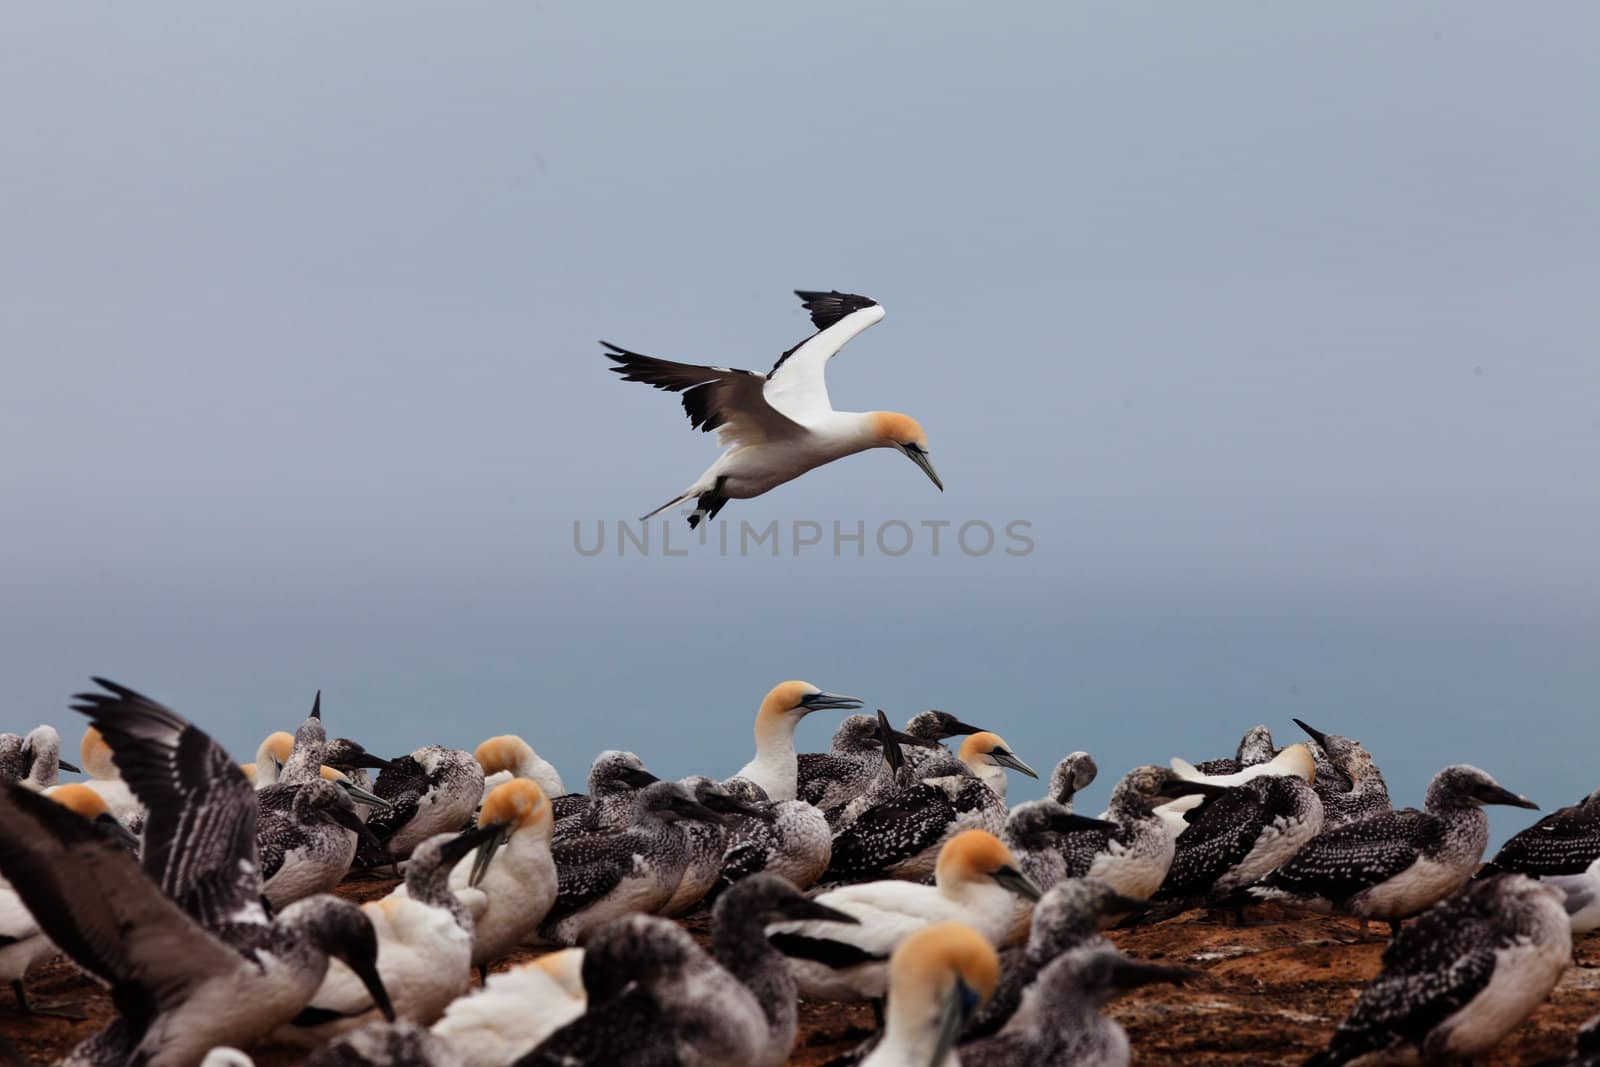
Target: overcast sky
x=1275, y=324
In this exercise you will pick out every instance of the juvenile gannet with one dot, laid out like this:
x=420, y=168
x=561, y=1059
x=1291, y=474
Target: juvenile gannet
x=307, y=847
x=1349, y=783
x=1068, y=916
x=1133, y=858
x=509, y=756
x=707, y=842
x=655, y=996
x=739, y=942
x=830, y=780
x=1254, y=747
x=424, y=950
x=900, y=835
x=790, y=839
x=779, y=425
x=34, y=759
x=1394, y=865
x=1564, y=842
x=1060, y=1020
x=938, y=977
x=1583, y=897
x=934, y=726
x=1033, y=834
x=1586, y=1048
x=1460, y=978
x=401, y=1043
x=974, y=883
x=187, y=949
x=515, y=1010
x=433, y=790
x=775, y=768
x=603, y=875
x=1237, y=837
x=614, y=778
x=23, y=944
x=1075, y=773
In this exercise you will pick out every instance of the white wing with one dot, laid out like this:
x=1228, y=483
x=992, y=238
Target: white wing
x=795, y=386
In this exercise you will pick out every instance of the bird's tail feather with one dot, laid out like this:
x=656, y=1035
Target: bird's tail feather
x=674, y=502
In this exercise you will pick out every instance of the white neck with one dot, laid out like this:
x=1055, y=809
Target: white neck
x=775, y=768
x=990, y=774
x=909, y=1036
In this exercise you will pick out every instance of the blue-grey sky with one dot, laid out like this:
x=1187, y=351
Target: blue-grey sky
x=1276, y=324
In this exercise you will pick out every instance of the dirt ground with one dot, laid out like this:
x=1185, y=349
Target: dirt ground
x=1270, y=993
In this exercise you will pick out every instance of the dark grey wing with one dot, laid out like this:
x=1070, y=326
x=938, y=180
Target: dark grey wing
x=200, y=833
x=894, y=830
x=276, y=834
x=1435, y=966
x=714, y=398
x=402, y=784
x=569, y=805
x=588, y=867
x=1219, y=836
x=627, y=1029
x=1079, y=848
x=1225, y=765
x=1563, y=842
x=277, y=797
x=1339, y=863
x=93, y=901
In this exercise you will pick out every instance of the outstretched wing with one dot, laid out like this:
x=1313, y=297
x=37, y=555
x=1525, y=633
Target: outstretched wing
x=91, y=899
x=715, y=398
x=795, y=385
x=200, y=835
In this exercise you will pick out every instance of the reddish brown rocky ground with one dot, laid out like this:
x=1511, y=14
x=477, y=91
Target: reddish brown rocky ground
x=1269, y=994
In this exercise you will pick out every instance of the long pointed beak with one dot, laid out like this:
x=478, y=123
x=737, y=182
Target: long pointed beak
x=891, y=748
x=1132, y=973
x=1067, y=822
x=953, y=1014
x=347, y=819
x=962, y=727
x=485, y=854
x=829, y=702
x=1312, y=732
x=1005, y=758
x=637, y=777
x=921, y=459
x=732, y=805
x=361, y=796
x=689, y=808
x=465, y=842
x=1500, y=795
x=1117, y=904
x=64, y=765
x=1015, y=881
x=368, y=973
x=118, y=832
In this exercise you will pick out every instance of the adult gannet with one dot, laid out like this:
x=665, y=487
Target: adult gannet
x=739, y=943
x=900, y=835
x=185, y=945
x=775, y=768
x=106, y=779
x=23, y=944
x=1134, y=857
x=790, y=838
x=654, y=996
x=1059, y=1020
x=34, y=759
x=515, y=1010
x=614, y=778
x=509, y=756
x=1075, y=773
x=1349, y=783
x=433, y=790
x=779, y=425
x=974, y=883
x=1069, y=916
x=1394, y=865
x=1564, y=842
x=1460, y=978
x=424, y=950
x=1237, y=837
x=938, y=977
x=271, y=755
x=603, y=875
x=1583, y=897
x=509, y=882
x=707, y=842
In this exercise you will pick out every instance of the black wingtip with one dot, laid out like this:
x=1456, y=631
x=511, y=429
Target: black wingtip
x=829, y=307
x=316, y=706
